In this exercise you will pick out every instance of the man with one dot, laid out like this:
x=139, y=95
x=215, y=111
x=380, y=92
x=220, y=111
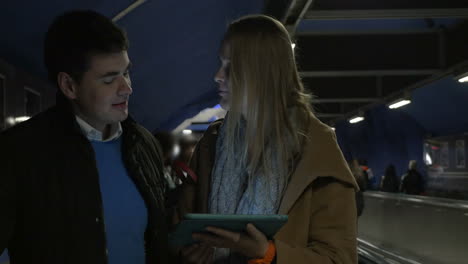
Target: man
x=412, y=182
x=82, y=182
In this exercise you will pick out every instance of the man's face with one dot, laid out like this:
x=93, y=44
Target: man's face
x=102, y=96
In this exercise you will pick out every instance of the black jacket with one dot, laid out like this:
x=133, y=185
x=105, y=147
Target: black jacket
x=412, y=183
x=50, y=201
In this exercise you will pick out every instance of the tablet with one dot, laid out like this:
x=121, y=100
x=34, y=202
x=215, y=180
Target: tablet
x=196, y=223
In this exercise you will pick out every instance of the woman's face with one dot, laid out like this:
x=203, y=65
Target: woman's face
x=221, y=77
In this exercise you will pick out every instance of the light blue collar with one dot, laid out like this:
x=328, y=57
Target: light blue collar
x=93, y=134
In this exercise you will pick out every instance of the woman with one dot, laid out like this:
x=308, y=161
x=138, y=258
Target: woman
x=270, y=156
x=389, y=181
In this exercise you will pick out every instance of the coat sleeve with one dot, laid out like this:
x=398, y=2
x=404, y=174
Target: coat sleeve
x=7, y=194
x=332, y=229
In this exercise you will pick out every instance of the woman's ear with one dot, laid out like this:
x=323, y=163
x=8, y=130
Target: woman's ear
x=67, y=85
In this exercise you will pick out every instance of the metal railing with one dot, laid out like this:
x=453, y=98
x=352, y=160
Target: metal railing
x=421, y=200
x=428, y=230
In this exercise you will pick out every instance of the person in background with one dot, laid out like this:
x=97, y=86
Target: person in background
x=368, y=173
x=183, y=173
x=176, y=153
x=389, y=182
x=412, y=182
x=82, y=182
x=361, y=180
x=271, y=155
x=169, y=151
x=187, y=146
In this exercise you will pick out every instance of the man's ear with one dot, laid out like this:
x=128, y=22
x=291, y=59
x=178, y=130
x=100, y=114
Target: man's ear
x=67, y=85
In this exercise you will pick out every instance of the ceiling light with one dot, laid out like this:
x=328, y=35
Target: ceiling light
x=461, y=75
x=399, y=103
x=356, y=119
x=187, y=132
x=21, y=118
x=463, y=79
x=10, y=120
x=15, y=120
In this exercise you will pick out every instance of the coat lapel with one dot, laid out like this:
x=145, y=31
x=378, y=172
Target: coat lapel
x=321, y=158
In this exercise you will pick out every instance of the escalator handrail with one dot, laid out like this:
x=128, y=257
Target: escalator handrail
x=421, y=200
x=369, y=247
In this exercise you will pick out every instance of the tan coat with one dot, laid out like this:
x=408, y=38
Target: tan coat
x=319, y=200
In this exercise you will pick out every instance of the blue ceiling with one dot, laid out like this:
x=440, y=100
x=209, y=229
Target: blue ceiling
x=439, y=109
x=173, y=47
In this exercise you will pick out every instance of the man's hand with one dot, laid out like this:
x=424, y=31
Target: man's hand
x=253, y=244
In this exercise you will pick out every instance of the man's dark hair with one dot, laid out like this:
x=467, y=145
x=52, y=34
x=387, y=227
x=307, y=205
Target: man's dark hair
x=74, y=37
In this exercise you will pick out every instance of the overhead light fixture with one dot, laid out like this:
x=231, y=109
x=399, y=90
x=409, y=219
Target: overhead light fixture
x=356, y=119
x=187, y=132
x=461, y=74
x=15, y=120
x=21, y=118
x=10, y=121
x=399, y=103
x=463, y=79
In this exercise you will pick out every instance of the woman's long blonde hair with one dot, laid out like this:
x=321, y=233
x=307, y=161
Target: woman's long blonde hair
x=265, y=91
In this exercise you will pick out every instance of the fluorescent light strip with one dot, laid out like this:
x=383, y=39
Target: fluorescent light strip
x=21, y=119
x=463, y=80
x=356, y=119
x=399, y=104
x=187, y=132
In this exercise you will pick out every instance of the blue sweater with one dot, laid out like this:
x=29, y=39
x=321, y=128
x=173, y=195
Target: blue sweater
x=125, y=213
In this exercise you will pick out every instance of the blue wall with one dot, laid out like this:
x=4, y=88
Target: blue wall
x=396, y=136
x=441, y=107
x=384, y=137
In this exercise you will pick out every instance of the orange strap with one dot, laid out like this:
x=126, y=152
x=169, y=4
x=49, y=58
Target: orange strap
x=269, y=255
